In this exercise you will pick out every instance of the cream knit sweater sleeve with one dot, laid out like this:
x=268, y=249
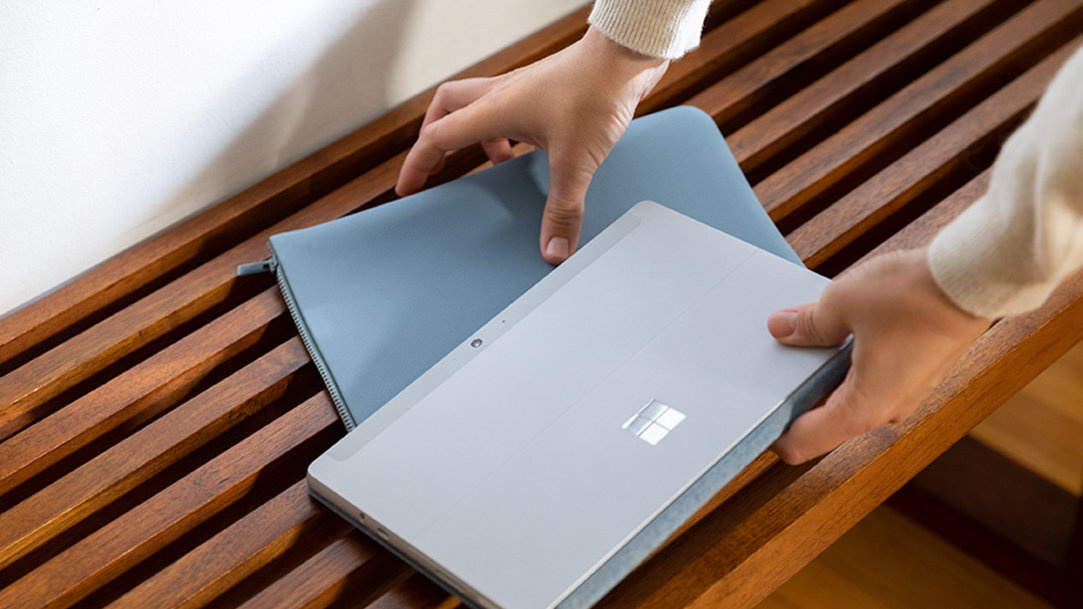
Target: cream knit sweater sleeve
x=1009, y=250
x=659, y=28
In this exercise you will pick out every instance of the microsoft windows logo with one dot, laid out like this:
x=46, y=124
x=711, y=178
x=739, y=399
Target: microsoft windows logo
x=653, y=422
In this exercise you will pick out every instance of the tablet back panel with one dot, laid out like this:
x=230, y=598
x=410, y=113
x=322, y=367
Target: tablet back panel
x=619, y=380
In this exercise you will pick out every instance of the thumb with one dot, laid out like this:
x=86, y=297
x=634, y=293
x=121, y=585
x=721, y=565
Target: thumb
x=822, y=429
x=563, y=216
x=817, y=324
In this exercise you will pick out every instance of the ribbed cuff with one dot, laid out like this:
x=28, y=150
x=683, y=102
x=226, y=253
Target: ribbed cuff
x=967, y=260
x=1008, y=251
x=666, y=29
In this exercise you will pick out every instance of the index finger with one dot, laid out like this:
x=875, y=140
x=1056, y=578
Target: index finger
x=469, y=125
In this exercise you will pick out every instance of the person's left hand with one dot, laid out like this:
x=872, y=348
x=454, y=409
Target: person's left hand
x=907, y=334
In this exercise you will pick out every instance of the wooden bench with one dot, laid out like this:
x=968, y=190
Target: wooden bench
x=157, y=413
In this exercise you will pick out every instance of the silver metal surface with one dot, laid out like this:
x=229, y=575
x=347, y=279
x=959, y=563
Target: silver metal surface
x=508, y=470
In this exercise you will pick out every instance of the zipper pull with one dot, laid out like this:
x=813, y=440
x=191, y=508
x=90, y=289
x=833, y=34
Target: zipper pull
x=254, y=268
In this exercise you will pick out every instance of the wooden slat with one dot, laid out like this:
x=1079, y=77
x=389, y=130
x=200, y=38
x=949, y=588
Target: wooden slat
x=187, y=243
x=289, y=519
x=321, y=580
x=416, y=593
x=105, y=554
x=139, y=393
x=855, y=85
x=799, y=60
x=733, y=43
x=919, y=232
x=142, y=455
x=942, y=92
x=31, y=385
x=954, y=147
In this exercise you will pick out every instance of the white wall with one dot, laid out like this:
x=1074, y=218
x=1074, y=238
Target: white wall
x=119, y=118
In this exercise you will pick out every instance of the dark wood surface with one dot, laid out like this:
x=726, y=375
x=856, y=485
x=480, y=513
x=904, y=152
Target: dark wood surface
x=157, y=413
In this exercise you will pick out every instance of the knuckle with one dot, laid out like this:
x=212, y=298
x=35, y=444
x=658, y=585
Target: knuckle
x=806, y=325
x=831, y=298
x=442, y=92
x=430, y=131
x=564, y=214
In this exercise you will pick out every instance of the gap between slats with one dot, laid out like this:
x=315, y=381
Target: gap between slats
x=787, y=128
x=880, y=136
x=866, y=216
x=157, y=530
x=734, y=43
x=322, y=581
x=135, y=397
x=250, y=548
x=792, y=65
x=417, y=592
x=210, y=417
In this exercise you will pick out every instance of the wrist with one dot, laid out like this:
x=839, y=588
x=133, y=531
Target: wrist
x=619, y=54
x=621, y=60
x=941, y=306
x=620, y=65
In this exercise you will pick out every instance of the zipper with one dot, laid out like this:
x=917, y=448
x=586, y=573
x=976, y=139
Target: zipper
x=255, y=268
x=271, y=265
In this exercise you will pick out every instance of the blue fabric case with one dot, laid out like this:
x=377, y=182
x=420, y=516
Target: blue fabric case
x=382, y=295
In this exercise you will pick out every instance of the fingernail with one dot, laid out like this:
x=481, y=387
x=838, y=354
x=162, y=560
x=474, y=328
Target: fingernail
x=557, y=248
x=783, y=323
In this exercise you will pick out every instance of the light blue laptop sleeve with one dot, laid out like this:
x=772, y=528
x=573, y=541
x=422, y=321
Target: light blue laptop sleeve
x=382, y=295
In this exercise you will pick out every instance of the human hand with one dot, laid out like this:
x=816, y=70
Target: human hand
x=907, y=333
x=574, y=104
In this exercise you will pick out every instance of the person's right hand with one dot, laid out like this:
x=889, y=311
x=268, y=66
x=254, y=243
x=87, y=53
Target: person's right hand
x=574, y=104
